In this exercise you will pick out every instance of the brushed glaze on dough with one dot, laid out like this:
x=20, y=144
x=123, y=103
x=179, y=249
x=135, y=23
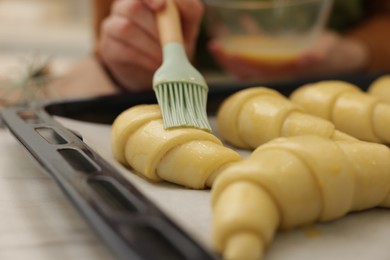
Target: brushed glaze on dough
x=186, y=156
x=254, y=116
x=291, y=182
x=380, y=88
x=352, y=110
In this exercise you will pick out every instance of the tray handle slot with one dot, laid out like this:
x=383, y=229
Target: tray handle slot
x=152, y=242
x=29, y=116
x=78, y=160
x=115, y=198
x=50, y=135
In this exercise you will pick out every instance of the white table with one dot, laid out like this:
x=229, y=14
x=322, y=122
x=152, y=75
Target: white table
x=36, y=220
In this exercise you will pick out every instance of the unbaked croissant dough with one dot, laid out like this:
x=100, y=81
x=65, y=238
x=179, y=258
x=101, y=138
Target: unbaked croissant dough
x=348, y=107
x=285, y=183
x=380, y=88
x=293, y=181
x=254, y=116
x=185, y=156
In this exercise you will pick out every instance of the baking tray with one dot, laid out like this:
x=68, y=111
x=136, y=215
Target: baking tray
x=130, y=224
x=104, y=109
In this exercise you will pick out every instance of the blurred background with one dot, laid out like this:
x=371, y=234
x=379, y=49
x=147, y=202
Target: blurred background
x=60, y=30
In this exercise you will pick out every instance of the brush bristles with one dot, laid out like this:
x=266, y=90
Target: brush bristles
x=183, y=105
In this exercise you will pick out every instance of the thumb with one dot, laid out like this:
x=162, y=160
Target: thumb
x=155, y=5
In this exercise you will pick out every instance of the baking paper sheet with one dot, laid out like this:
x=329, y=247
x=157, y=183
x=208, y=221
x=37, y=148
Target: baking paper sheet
x=363, y=235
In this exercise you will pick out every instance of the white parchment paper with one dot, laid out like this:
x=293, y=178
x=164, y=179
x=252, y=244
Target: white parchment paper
x=363, y=235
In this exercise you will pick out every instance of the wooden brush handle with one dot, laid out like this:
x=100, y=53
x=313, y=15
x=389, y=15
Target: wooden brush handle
x=168, y=23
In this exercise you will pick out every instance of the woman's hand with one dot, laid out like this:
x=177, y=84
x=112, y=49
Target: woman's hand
x=129, y=45
x=332, y=54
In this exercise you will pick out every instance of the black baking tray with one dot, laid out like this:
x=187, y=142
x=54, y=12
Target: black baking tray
x=131, y=225
x=104, y=109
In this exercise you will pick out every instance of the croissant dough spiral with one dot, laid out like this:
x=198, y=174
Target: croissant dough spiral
x=185, y=156
x=254, y=116
x=351, y=110
x=380, y=88
x=293, y=181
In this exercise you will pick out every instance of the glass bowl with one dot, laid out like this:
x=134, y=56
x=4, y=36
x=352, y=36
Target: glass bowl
x=272, y=32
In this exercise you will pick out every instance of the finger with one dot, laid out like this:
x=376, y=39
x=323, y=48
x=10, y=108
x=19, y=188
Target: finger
x=155, y=5
x=323, y=47
x=129, y=67
x=129, y=34
x=138, y=13
x=132, y=77
x=191, y=13
x=116, y=51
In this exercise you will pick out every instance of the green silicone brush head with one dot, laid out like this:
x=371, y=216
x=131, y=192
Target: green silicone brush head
x=181, y=90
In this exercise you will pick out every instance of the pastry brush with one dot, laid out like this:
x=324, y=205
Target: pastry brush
x=180, y=89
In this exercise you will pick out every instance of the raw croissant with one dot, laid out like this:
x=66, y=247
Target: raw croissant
x=254, y=116
x=348, y=107
x=380, y=88
x=185, y=156
x=294, y=181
